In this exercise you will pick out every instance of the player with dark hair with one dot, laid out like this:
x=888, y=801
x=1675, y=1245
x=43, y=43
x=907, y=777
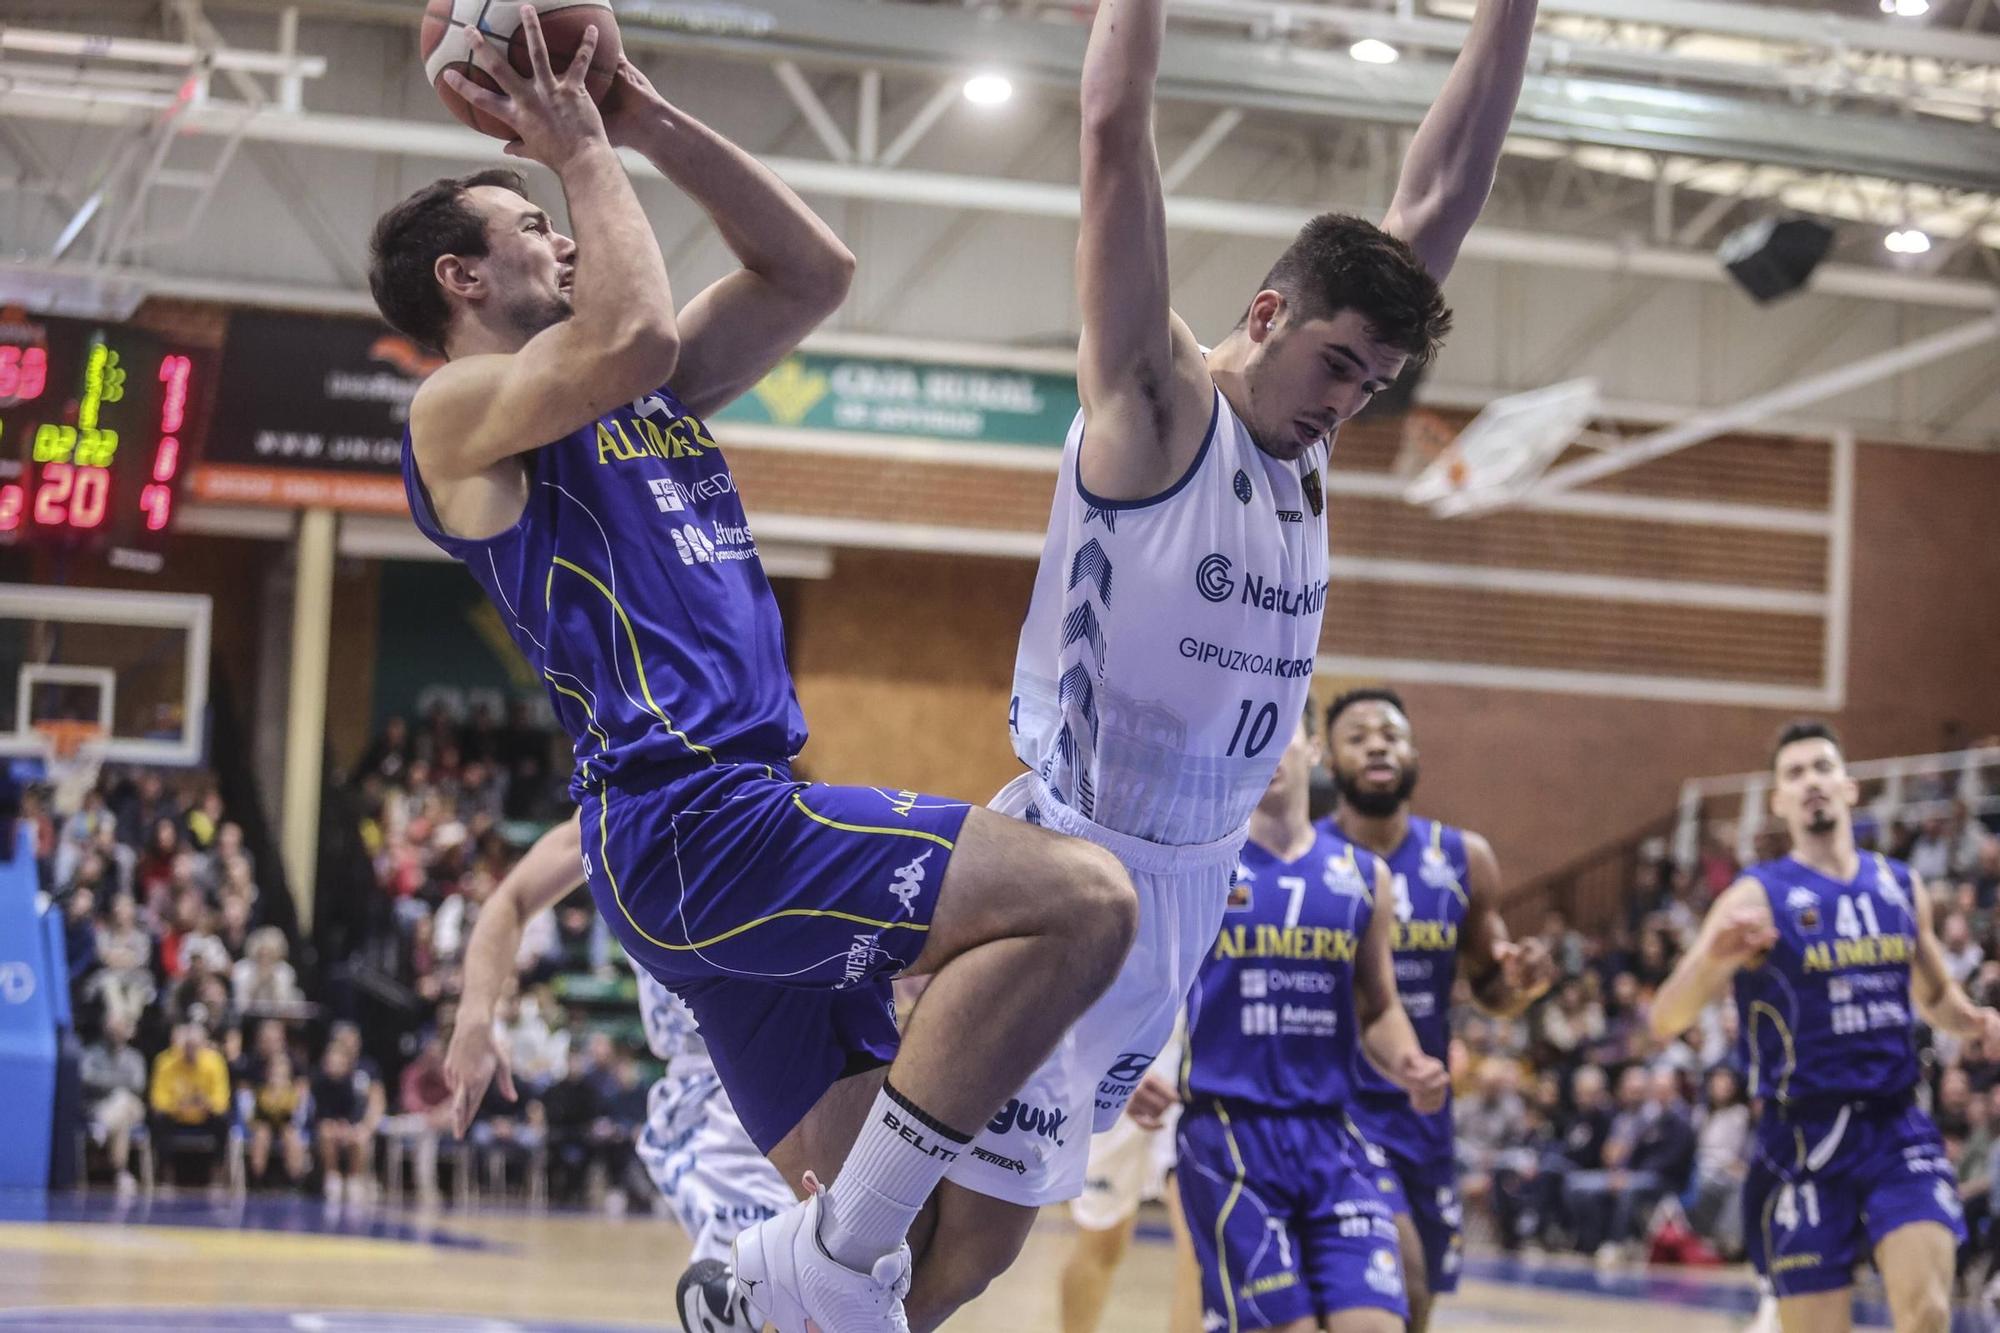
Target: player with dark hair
x=560, y=454
x=1832, y=958
x=1293, y=1213
x=1447, y=892
x=1170, y=640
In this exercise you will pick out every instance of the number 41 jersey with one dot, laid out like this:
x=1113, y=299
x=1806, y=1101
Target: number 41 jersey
x=1170, y=641
x=1827, y=1015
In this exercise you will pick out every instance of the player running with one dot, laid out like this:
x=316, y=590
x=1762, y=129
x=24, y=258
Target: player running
x=1828, y=950
x=1292, y=1212
x=560, y=454
x=1447, y=889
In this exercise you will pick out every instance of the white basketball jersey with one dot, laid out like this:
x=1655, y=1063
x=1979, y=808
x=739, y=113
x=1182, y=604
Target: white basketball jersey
x=670, y=1027
x=1169, y=647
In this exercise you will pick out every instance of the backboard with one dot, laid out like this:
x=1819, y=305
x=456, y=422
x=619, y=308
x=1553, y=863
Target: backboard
x=128, y=668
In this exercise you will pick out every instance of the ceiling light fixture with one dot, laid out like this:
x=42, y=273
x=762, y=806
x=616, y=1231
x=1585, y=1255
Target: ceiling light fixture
x=1907, y=241
x=1369, y=51
x=989, y=89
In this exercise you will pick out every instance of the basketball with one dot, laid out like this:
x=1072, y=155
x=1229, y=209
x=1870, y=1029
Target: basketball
x=445, y=44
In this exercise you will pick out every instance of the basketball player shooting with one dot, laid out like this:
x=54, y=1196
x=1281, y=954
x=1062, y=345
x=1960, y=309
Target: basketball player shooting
x=560, y=454
x=1832, y=958
x=1171, y=636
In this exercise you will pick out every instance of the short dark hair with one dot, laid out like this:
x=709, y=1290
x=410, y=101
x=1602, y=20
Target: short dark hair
x=1804, y=729
x=1366, y=694
x=408, y=240
x=1341, y=262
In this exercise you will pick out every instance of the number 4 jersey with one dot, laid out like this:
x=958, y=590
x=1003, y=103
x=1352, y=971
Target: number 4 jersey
x=1827, y=1016
x=1169, y=645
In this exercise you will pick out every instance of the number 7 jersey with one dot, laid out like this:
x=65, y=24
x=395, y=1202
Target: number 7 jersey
x=1827, y=1016
x=1169, y=646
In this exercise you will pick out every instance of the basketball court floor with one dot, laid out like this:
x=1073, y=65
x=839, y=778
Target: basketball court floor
x=301, y=1266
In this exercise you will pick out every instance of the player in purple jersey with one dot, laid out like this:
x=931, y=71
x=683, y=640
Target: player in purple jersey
x=560, y=454
x=1829, y=950
x=1447, y=890
x=1292, y=1213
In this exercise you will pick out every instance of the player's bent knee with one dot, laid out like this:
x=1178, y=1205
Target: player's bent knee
x=1100, y=907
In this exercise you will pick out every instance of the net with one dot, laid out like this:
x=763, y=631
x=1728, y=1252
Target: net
x=1500, y=455
x=72, y=754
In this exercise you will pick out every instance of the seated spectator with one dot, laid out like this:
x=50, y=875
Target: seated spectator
x=190, y=1099
x=204, y=822
x=154, y=873
x=113, y=1076
x=1489, y=1122
x=124, y=984
x=80, y=933
x=232, y=925
x=1572, y=1022
x=424, y=1102
x=573, y=1111
x=264, y=981
x=1962, y=954
x=1722, y=1159
x=347, y=1107
x=1591, y=1193
x=278, y=1117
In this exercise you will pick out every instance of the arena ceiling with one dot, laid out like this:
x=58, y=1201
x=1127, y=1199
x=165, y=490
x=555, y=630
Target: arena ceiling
x=1647, y=131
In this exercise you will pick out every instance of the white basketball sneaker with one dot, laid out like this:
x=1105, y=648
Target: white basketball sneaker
x=790, y=1280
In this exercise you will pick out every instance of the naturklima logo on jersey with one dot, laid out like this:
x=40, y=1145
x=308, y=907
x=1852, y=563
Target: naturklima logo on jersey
x=1215, y=580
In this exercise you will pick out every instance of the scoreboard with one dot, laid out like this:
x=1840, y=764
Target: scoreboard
x=96, y=423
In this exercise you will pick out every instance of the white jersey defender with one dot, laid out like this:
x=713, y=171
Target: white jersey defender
x=1164, y=664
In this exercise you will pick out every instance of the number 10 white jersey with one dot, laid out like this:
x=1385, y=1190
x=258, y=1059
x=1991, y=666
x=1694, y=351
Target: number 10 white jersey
x=1169, y=647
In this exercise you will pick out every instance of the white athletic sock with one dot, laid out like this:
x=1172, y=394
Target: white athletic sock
x=897, y=1160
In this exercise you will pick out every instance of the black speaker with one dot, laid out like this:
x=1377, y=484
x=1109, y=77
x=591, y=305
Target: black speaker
x=1774, y=257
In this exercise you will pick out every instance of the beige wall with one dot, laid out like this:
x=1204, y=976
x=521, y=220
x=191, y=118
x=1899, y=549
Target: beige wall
x=903, y=664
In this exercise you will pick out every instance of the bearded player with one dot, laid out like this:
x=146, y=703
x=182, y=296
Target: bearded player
x=560, y=454
x=1833, y=959
x=1447, y=893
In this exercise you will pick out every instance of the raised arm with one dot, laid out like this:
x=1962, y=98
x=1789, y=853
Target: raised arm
x=1941, y=1001
x=1387, y=1038
x=620, y=343
x=549, y=870
x=1146, y=393
x=1448, y=171
x=1505, y=976
x=1737, y=933
x=795, y=271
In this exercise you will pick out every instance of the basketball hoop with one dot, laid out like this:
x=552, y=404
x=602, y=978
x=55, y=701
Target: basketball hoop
x=1497, y=459
x=72, y=754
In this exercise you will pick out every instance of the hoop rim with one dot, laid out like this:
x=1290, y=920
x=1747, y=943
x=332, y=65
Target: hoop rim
x=69, y=740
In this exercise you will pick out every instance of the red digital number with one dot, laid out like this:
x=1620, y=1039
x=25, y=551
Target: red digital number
x=158, y=502
x=92, y=495
x=174, y=372
x=24, y=372
x=10, y=508
x=167, y=459
x=53, y=494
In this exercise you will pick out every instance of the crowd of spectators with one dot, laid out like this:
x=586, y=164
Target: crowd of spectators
x=1576, y=1129
x=1579, y=1131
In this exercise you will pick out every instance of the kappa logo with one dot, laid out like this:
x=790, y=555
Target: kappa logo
x=1803, y=904
x=909, y=883
x=1385, y=1272
x=693, y=545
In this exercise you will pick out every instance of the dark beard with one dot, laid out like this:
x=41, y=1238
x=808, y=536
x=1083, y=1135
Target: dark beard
x=1376, y=804
x=1822, y=823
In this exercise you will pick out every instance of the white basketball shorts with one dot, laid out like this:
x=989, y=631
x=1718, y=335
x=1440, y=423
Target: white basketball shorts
x=1035, y=1151
x=704, y=1164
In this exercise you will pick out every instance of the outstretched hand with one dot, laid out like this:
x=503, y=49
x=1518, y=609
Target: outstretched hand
x=471, y=1063
x=1426, y=1079
x=1526, y=966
